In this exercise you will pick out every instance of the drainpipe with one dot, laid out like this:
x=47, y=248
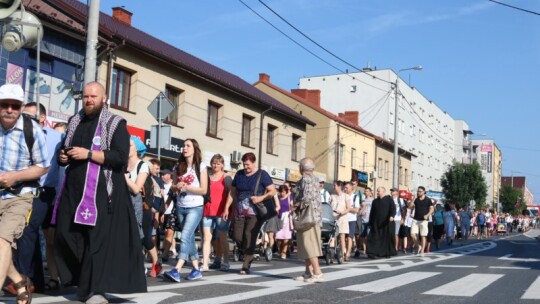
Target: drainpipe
x=261, y=135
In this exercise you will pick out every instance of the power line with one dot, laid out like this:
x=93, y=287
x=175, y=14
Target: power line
x=315, y=55
x=318, y=44
x=290, y=38
x=515, y=7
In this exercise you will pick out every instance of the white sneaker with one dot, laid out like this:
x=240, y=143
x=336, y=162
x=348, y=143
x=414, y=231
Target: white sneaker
x=316, y=278
x=204, y=269
x=302, y=277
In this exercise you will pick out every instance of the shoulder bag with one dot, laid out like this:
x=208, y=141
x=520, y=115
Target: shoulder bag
x=304, y=219
x=265, y=209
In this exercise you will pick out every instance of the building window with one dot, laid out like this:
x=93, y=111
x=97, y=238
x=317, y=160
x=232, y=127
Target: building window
x=212, y=119
x=247, y=122
x=353, y=158
x=271, y=140
x=173, y=95
x=380, y=168
x=400, y=176
x=341, y=154
x=386, y=170
x=406, y=179
x=121, y=84
x=364, y=161
x=295, y=151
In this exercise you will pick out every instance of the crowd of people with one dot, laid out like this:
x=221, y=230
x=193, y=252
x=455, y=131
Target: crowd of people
x=103, y=209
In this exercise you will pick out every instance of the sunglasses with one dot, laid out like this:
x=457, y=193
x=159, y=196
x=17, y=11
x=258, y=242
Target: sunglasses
x=13, y=106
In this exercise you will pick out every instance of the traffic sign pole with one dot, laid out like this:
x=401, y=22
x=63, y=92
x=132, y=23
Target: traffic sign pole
x=159, y=128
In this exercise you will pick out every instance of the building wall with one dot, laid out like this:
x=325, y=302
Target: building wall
x=322, y=139
x=488, y=155
x=384, y=168
x=150, y=76
x=462, y=142
x=426, y=130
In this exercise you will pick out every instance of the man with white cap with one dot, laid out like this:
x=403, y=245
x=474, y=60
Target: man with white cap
x=24, y=160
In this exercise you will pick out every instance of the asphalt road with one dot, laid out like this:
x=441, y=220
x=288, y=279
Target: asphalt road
x=498, y=270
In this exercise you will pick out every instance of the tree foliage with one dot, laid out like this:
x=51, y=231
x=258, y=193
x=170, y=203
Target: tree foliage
x=512, y=200
x=462, y=183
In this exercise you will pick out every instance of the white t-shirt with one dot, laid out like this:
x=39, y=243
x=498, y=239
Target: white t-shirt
x=189, y=199
x=144, y=168
x=399, y=204
x=355, y=203
x=488, y=217
x=325, y=196
x=166, y=189
x=367, y=211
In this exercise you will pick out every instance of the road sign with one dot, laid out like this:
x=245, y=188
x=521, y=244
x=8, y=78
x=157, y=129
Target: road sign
x=166, y=107
x=164, y=136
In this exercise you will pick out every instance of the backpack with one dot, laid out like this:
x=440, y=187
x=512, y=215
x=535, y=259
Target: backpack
x=439, y=218
x=147, y=189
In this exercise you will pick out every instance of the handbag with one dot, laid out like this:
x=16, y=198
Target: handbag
x=265, y=209
x=304, y=219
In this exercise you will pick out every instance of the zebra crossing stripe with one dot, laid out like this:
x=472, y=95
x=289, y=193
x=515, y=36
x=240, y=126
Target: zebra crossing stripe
x=533, y=292
x=467, y=286
x=385, y=284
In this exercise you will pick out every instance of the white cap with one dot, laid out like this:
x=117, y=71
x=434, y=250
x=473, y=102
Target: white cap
x=321, y=179
x=12, y=92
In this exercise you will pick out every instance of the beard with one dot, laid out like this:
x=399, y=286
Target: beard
x=91, y=111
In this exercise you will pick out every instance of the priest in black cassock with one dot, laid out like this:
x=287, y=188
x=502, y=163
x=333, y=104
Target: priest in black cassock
x=98, y=248
x=381, y=221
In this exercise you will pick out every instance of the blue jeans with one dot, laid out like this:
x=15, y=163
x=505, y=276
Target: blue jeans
x=189, y=219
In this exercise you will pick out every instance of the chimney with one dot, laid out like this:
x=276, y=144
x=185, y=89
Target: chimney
x=350, y=116
x=121, y=14
x=264, y=77
x=313, y=97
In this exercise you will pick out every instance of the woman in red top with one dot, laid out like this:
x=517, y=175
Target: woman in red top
x=215, y=228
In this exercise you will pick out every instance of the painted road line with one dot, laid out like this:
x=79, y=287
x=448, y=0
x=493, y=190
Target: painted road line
x=533, y=292
x=391, y=282
x=279, y=286
x=508, y=258
x=532, y=233
x=467, y=286
x=457, y=266
x=510, y=267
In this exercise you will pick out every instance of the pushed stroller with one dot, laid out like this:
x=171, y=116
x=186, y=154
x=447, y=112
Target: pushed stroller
x=330, y=247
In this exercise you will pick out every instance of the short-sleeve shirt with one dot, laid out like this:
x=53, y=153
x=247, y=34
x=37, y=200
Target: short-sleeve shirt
x=421, y=208
x=246, y=184
x=355, y=203
x=188, y=199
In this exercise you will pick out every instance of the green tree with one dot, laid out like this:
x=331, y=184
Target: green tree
x=462, y=183
x=510, y=198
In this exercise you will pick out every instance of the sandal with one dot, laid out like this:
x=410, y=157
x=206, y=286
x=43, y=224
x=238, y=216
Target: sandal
x=52, y=284
x=25, y=295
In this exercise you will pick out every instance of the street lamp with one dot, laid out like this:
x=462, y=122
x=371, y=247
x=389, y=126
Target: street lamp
x=396, y=146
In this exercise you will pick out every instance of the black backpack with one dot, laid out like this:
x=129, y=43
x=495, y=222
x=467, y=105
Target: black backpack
x=147, y=190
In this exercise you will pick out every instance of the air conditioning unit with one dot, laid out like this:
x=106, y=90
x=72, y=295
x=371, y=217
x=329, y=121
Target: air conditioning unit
x=236, y=157
x=373, y=175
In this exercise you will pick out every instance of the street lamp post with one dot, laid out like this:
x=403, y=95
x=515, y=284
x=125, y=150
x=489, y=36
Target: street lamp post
x=395, y=180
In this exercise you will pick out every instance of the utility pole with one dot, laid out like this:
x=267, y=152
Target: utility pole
x=90, y=64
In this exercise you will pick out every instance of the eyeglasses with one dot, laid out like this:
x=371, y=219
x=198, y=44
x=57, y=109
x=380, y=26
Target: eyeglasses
x=13, y=106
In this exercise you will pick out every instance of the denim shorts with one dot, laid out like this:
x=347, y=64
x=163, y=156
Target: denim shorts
x=215, y=223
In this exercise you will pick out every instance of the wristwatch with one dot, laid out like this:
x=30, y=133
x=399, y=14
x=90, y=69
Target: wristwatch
x=89, y=156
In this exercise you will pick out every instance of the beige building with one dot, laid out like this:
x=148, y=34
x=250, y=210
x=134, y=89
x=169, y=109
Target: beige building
x=384, y=168
x=218, y=109
x=337, y=143
x=489, y=156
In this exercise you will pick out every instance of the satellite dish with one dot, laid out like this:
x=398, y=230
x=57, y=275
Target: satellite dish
x=17, y=36
x=7, y=7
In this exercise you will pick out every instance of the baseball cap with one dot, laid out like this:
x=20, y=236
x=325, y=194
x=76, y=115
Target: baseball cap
x=321, y=179
x=11, y=91
x=165, y=171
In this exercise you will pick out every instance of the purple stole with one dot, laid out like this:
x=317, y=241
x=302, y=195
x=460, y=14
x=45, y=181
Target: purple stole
x=87, y=213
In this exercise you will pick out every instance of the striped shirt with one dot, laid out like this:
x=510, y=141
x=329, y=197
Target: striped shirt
x=14, y=154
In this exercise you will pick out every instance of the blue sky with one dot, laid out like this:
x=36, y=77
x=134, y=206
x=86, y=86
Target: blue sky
x=481, y=60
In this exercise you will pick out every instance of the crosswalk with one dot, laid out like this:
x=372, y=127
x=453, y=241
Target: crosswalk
x=275, y=281
x=376, y=278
